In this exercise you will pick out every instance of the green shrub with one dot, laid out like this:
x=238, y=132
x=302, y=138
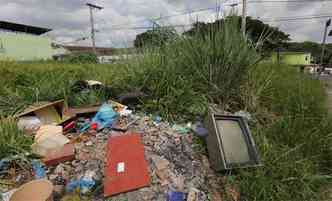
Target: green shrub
x=12, y=141
x=81, y=58
x=185, y=74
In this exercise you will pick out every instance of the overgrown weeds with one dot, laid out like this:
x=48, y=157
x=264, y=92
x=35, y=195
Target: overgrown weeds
x=12, y=140
x=292, y=131
x=293, y=135
x=187, y=73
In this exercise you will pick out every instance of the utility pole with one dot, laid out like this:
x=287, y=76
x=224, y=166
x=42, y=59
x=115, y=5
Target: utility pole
x=92, y=7
x=244, y=16
x=328, y=23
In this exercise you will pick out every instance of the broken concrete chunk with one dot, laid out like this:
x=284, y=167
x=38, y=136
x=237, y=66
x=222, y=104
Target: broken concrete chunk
x=163, y=175
x=192, y=195
x=160, y=163
x=178, y=182
x=66, y=153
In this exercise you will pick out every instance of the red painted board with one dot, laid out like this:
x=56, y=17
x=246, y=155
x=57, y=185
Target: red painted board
x=129, y=151
x=66, y=153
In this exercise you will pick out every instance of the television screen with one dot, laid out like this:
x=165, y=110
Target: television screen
x=233, y=141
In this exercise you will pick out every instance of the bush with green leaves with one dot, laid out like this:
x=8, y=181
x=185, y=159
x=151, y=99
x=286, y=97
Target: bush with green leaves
x=82, y=58
x=187, y=73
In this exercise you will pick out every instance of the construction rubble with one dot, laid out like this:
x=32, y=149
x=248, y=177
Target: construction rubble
x=108, y=152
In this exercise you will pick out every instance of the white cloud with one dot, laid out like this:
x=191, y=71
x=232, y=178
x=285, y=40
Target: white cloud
x=70, y=18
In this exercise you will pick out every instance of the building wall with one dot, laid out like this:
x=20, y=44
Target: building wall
x=25, y=47
x=293, y=58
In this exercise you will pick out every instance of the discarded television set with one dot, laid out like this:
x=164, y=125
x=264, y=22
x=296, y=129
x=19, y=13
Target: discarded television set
x=230, y=144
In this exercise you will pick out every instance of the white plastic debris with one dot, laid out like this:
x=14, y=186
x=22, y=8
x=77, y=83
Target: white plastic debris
x=29, y=124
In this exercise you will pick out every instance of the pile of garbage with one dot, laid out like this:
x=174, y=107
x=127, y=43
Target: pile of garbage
x=107, y=150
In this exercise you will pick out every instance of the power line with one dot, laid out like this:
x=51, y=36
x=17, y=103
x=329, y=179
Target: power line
x=290, y=1
x=294, y=19
x=184, y=12
x=279, y=19
x=150, y=27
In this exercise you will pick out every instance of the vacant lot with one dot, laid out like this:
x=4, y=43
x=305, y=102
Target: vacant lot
x=290, y=122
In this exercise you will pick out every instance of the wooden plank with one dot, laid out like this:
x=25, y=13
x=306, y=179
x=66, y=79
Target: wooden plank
x=126, y=168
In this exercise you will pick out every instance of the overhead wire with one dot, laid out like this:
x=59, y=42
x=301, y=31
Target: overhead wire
x=289, y=1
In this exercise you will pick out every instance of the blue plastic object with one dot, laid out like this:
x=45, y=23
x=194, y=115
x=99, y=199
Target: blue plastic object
x=105, y=117
x=85, y=185
x=157, y=119
x=200, y=130
x=176, y=196
x=4, y=163
x=38, y=170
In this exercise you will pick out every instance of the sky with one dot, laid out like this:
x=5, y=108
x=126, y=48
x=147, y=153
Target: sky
x=70, y=20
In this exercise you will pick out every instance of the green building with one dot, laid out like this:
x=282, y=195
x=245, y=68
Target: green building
x=25, y=43
x=292, y=58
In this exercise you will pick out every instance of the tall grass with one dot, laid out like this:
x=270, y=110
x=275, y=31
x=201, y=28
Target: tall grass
x=292, y=131
x=12, y=141
x=186, y=73
x=293, y=135
x=25, y=83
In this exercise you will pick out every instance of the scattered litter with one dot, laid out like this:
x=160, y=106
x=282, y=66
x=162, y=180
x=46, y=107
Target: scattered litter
x=37, y=190
x=59, y=187
x=163, y=176
x=157, y=163
x=48, y=138
x=48, y=113
x=157, y=120
x=200, y=130
x=160, y=163
x=63, y=154
x=192, y=195
x=38, y=169
x=93, y=82
x=246, y=115
x=176, y=196
x=69, y=126
x=29, y=124
x=125, y=112
x=105, y=117
x=7, y=195
x=84, y=110
x=181, y=129
x=85, y=184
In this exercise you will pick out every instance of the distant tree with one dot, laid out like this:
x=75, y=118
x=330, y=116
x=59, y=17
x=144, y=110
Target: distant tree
x=81, y=58
x=269, y=37
x=156, y=37
x=314, y=48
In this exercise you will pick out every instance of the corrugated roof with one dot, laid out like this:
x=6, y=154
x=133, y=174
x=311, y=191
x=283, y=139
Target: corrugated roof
x=11, y=26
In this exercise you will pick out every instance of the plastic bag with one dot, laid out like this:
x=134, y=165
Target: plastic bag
x=105, y=117
x=29, y=124
x=85, y=184
x=38, y=170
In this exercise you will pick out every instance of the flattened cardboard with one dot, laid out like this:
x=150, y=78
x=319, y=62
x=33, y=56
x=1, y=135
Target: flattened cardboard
x=49, y=113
